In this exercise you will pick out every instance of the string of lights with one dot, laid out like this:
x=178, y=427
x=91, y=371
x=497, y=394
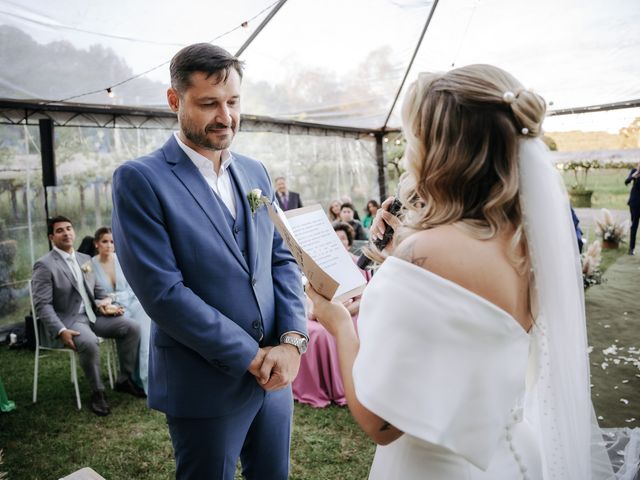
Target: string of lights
x=110, y=89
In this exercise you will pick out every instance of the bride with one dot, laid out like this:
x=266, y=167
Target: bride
x=472, y=359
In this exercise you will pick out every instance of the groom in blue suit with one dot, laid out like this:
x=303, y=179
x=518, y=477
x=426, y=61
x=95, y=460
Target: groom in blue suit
x=222, y=289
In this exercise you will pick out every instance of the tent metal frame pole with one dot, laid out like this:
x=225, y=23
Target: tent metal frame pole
x=413, y=57
x=382, y=167
x=264, y=23
x=603, y=107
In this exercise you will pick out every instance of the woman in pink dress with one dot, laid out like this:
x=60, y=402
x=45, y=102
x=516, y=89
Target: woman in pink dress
x=319, y=382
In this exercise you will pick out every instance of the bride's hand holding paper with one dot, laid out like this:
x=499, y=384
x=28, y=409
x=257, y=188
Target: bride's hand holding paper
x=332, y=315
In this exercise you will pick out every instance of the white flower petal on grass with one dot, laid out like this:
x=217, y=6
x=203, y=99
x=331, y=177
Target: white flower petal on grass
x=625, y=401
x=629, y=420
x=625, y=381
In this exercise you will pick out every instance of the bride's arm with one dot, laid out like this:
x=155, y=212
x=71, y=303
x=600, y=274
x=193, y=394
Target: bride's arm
x=337, y=320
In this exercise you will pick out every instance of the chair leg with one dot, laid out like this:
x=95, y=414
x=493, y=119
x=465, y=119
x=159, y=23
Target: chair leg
x=35, y=375
x=74, y=377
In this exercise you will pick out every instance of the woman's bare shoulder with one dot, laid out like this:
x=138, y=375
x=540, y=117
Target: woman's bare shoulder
x=430, y=249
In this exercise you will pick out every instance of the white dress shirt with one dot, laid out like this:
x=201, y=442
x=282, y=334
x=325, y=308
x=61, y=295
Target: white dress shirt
x=219, y=183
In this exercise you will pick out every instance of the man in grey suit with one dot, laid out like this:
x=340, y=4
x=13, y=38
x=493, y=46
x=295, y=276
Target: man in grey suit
x=75, y=311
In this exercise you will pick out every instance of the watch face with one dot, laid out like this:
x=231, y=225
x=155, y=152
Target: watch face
x=303, y=345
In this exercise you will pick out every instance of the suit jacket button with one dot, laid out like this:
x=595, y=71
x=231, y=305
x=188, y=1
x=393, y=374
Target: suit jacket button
x=254, y=281
x=256, y=324
x=236, y=230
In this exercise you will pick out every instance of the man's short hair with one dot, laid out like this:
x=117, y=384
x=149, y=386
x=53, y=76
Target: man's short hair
x=279, y=178
x=347, y=205
x=57, y=219
x=202, y=57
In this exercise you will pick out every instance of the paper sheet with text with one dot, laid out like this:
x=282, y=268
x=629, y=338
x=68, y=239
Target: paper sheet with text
x=319, y=252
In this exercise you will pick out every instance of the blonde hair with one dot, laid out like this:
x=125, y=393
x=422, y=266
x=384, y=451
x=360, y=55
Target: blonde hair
x=462, y=129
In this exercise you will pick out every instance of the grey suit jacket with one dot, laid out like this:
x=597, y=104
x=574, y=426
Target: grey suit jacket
x=55, y=291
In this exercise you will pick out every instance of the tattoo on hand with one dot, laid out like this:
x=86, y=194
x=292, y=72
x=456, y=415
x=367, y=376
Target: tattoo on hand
x=406, y=252
x=385, y=426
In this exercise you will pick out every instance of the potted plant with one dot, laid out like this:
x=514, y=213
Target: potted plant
x=579, y=193
x=610, y=232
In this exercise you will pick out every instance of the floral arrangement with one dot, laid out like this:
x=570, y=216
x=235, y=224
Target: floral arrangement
x=86, y=267
x=608, y=229
x=591, y=274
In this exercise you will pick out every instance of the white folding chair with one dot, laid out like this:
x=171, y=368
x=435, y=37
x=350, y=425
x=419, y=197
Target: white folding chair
x=112, y=356
x=39, y=348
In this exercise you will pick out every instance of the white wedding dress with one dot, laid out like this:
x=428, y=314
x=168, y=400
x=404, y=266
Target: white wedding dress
x=477, y=397
x=449, y=369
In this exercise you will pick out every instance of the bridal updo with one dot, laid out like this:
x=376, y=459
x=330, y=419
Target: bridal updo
x=461, y=158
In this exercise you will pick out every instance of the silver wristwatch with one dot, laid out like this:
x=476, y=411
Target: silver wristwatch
x=299, y=343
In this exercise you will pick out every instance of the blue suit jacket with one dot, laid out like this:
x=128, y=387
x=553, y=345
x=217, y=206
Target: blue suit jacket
x=208, y=305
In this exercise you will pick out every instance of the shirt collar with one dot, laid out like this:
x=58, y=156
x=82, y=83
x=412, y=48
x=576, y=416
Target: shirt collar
x=65, y=255
x=200, y=161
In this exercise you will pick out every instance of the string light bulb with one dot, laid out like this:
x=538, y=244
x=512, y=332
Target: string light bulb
x=110, y=93
x=386, y=140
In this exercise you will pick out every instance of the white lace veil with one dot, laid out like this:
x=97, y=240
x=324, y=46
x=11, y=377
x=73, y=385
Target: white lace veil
x=559, y=399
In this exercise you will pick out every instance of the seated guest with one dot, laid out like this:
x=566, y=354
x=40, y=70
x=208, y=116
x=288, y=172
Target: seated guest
x=87, y=246
x=333, y=212
x=75, y=310
x=347, y=199
x=319, y=382
x=110, y=277
x=287, y=199
x=346, y=216
x=371, y=209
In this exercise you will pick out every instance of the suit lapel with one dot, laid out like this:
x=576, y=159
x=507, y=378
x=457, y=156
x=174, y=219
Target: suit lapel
x=66, y=269
x=197, y=186
x=240, y=176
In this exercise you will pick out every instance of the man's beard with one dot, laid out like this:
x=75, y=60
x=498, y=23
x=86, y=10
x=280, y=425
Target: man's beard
x=195, y=136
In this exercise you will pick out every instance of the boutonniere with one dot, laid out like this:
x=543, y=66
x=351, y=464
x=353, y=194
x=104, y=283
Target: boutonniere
x=86, y=267
x=256, y=200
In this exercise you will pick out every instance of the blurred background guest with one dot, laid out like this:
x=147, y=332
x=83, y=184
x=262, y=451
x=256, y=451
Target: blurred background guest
x=110, y=277
x=347, y=199
x=347, y=216
x=370, y=210
x=333, y=212
x=634, y=205
x=287, y=199
x=87, y=246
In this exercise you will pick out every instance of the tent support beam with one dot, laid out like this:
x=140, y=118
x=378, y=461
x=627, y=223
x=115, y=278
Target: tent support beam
x=382, y=167
x=264, y=23
x=413, y=58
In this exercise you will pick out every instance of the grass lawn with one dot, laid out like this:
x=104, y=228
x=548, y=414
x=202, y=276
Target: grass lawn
x=51, y=438
x=608, y=186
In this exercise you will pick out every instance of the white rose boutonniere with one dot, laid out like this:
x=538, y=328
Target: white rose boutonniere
x=256, y=200
x=86, y=267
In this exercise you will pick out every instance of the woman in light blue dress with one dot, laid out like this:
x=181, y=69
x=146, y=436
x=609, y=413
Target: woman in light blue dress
x=109, y=275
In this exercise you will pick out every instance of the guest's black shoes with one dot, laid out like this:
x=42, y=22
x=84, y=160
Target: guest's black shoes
x=127, y=386
x=99, y=404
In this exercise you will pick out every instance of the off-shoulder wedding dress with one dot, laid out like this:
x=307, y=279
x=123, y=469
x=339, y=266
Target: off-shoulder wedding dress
x=478, y=397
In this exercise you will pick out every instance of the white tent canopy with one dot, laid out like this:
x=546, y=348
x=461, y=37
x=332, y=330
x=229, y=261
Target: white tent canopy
x=330, y=62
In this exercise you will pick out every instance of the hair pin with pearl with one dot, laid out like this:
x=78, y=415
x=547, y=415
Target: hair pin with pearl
x=525, y=130
x=509, y=97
